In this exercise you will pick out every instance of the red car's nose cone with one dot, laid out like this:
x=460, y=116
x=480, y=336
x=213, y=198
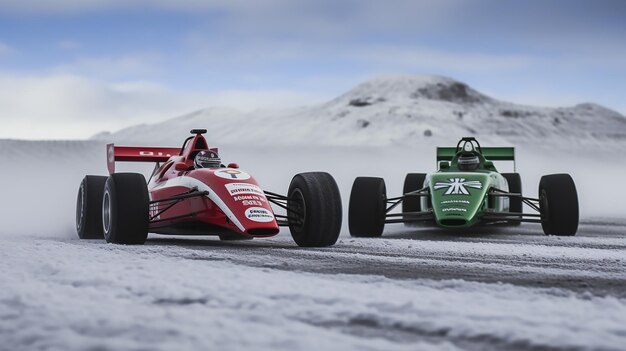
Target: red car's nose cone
x=241, y=199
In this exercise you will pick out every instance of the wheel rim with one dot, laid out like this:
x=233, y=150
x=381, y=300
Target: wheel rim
x=106, y=211
x=80, y=206
x=298, y=207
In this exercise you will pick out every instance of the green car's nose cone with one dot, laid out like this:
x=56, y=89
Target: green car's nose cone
x=458, y=197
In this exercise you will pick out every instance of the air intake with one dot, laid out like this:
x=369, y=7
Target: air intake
x=263, y=231
x=453, y=222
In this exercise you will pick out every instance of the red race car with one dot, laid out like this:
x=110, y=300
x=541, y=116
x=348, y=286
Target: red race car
x=191, y=193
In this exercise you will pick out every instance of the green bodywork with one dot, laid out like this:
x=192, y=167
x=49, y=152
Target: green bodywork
x=461, y=198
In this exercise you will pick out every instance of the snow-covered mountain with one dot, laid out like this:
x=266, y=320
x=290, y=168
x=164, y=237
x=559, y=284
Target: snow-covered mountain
x=402, y=109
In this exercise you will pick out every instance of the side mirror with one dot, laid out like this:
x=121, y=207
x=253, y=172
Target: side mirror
x=181, y=166
x=444, y=165
x=233, y=165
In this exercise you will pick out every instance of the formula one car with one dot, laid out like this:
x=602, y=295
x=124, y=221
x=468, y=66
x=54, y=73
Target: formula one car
x=184, y=199
x=467, y=190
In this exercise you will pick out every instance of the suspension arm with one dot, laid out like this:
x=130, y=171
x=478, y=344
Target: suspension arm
x=192, y=193
x=531, y=202
x=173, y=200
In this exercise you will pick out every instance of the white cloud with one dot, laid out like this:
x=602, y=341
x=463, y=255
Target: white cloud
x=81, y=6
x=323, y=16
x=112, y=67
x=70, y=106
x=423, y=57
x=398, y=57
x=5, y=49
x=68, y=44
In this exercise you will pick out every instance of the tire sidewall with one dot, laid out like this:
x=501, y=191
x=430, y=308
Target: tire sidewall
x=126, y=195
x=88, y=203
x=81, y=209
x=320, y=202
x=109, y=211
x=366, y=213
x=297, y=191
x=558, y=203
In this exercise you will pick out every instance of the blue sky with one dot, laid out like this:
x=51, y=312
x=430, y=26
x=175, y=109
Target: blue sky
x=71, y=68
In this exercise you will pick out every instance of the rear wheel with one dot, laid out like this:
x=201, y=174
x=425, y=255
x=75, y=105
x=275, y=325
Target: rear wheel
x=558, y=202
x=368, y=204
x=125, y=206
x=412, y=182
x=314, y=209
x=89, y=207
x=515, y=202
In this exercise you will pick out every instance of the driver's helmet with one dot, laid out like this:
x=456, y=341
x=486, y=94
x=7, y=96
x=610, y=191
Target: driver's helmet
x=207, y=159
x=468, y=162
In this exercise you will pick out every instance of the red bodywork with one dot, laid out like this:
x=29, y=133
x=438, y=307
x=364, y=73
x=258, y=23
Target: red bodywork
x=207, y=201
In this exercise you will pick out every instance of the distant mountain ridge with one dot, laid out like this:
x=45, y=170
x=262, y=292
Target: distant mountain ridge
x=400, y=109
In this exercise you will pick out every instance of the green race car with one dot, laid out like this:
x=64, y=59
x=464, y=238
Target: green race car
x=466, y=190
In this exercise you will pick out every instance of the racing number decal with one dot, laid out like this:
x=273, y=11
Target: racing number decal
x=230, y=173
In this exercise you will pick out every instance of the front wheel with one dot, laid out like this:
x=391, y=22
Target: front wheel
x=125, y=205
x=314, y=209
x=368, y=204
x=558, y=202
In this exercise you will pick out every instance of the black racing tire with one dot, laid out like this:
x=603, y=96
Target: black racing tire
x=125, y=205
x=515, y=203
x=314, y=209
x=558, y=202
x=367, y=209
x=412, y=182
x=89, y=207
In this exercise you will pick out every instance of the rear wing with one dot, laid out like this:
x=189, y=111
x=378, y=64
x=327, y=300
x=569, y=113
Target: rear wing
x=138, y=154
x=490, y=153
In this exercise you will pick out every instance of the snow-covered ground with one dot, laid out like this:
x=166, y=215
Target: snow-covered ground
x=411, y=289
x=74, y=295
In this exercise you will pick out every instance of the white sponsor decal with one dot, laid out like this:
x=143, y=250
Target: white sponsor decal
x=249, y=197
x=250, y=200
x=152, y=153
x=458, y=186
x=243, y=188
x=454, y=209
x=229, y=173
x=455, y=202
x=259, y=214
x=111, y=154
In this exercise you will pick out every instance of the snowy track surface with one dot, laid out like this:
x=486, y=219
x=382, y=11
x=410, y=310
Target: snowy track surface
x=413, y=289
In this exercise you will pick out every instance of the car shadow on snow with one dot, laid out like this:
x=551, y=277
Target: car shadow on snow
x=212, y=241
x=487, y=232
